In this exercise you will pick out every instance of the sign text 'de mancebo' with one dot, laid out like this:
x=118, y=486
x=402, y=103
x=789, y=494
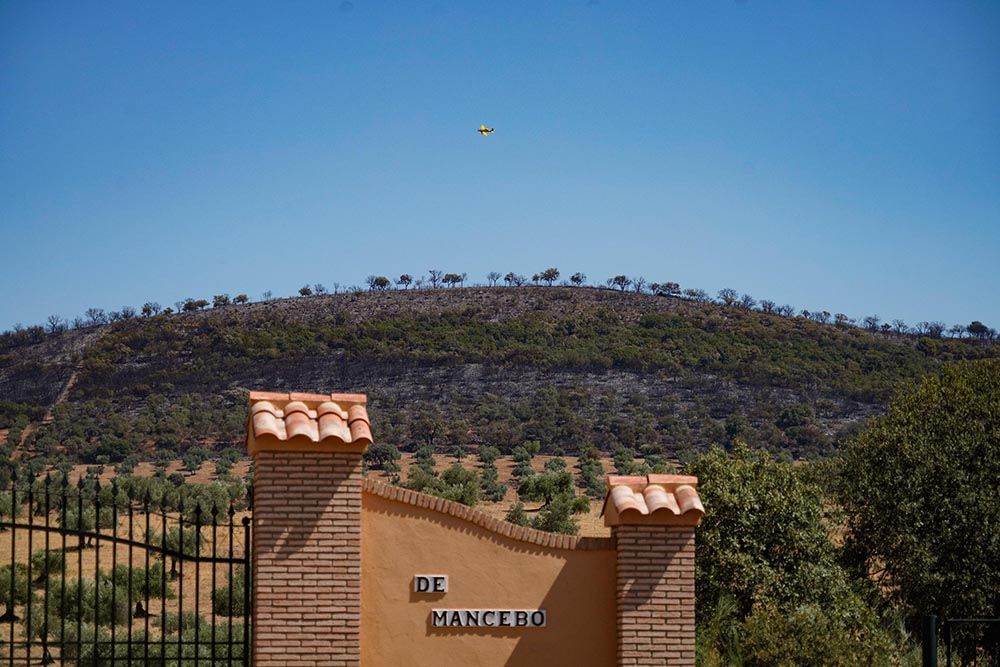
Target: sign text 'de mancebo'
x=430, y=583
x=488, y=618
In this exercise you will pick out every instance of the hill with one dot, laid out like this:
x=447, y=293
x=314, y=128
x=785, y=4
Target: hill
x=456, y=367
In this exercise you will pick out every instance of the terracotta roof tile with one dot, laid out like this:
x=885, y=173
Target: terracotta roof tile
x=308, y=418
x=667, y=499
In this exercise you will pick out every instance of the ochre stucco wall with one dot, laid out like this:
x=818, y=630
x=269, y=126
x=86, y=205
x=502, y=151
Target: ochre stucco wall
x=485, y=570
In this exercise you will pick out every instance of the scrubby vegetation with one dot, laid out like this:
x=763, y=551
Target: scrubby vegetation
x=572, y=368
x=816, y=547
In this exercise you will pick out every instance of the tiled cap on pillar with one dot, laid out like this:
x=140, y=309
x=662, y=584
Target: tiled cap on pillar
x=663, y=500
x=291, y=422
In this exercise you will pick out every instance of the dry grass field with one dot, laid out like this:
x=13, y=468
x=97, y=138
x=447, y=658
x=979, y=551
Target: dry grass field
x=106, y=554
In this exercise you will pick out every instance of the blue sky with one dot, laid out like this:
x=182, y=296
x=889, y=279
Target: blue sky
x=831, y=155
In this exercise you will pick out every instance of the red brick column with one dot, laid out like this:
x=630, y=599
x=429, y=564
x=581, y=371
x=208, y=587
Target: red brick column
x=655, y=575
x=307, y=559
x=653, y=520
x=306, y=554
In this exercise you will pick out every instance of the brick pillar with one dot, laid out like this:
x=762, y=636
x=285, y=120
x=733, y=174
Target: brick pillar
x=655, y=575
x=653, y=522
x=306, y=530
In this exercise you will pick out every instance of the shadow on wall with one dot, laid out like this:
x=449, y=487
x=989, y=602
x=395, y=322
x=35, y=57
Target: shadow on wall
x=297, y=532
x=486, y=570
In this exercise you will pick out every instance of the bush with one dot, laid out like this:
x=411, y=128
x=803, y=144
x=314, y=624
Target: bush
x=383, y=456
x=592, y=474
x=221, y=596
x=456, y=483
x=769, y=573
x=554, y=489
x=223, y=467
x=522, y=462
x=557, y=515
x=492, y=489
x=142, y=581
x=20, y=588
x=424, y=460
x=516, y=515
x=45, y=563
x=810, y=635
x=147, y=650
x=625, y=463
x=82, y=601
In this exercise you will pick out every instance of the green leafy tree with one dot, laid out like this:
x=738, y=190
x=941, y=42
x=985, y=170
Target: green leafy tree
x=455, y=483
x=522, y=456
x=457, y=437
x=382, y=455
x=977, y=329
x=620, y=281
x=624, y=459
x=763, y=549
x=517, y=516
x=429, y=425
x=489, y=477
x=550, y=275
x=229, y=600
x=492, y=489
x=554, y=489
x=378, y=283
x=555, y=464
x=922, y=495
x=592, y=473
x=728, y=296
x=424, y=460
x=19, y=589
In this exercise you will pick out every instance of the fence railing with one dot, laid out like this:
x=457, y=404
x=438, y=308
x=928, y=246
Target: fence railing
x=966, y=641
x=114, y=574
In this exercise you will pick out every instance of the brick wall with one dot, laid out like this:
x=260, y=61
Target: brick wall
x=655, y=599
x=307, y=559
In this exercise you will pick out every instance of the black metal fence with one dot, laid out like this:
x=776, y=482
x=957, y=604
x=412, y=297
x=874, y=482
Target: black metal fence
x=114, y=574
x=964, y=641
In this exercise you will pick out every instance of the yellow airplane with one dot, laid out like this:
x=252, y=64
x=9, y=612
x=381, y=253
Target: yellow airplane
x=485, y=131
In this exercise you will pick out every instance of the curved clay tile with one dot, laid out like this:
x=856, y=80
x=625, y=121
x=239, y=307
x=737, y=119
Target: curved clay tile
x=298, y=423
x=265, y=423
x=296, y=406
x=329, y=407
x=657, y=498
x=263, y=406
x=361, y=431
x=309, y=418
x=332, y=425
x=687, y=499
x=624, y=499
x=357, y=412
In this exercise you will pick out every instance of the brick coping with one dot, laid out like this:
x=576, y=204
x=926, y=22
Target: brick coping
x=483, y=520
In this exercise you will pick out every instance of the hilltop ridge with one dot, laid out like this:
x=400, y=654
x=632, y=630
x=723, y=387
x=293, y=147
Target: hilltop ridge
x=571, y=367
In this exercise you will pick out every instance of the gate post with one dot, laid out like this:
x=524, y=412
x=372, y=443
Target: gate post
x=307, y=451
x=930, y=641
x=652, y=520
